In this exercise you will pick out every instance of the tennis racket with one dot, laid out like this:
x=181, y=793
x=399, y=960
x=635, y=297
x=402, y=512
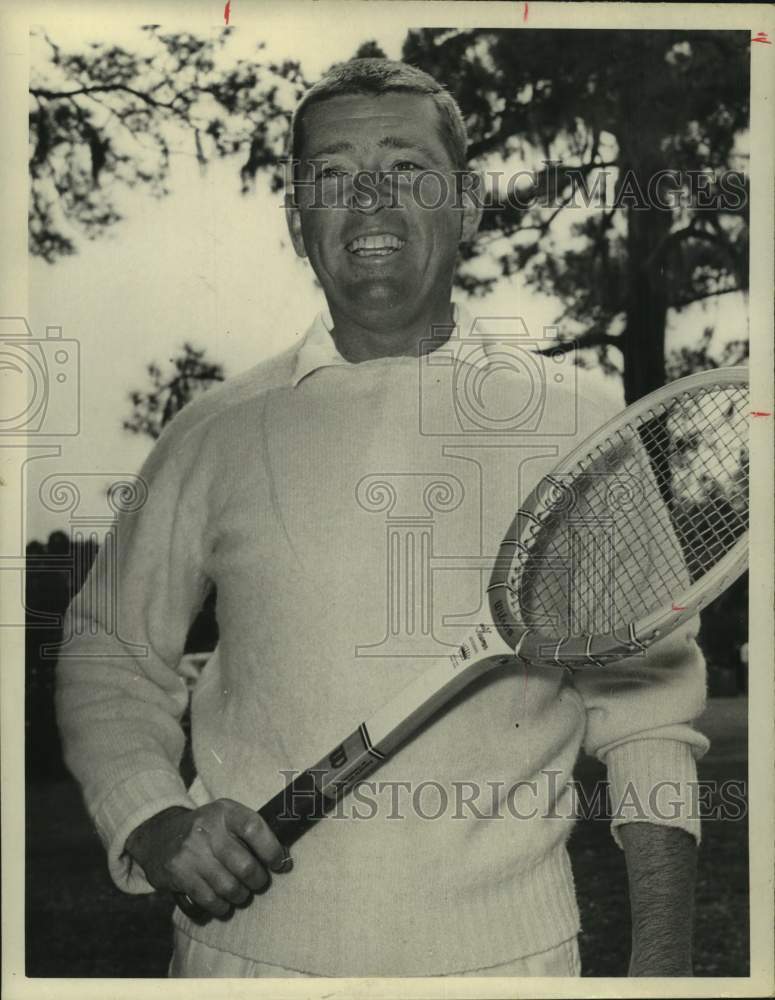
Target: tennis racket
x=636, y=530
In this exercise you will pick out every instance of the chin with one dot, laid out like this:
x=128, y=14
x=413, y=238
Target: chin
x=381, y=298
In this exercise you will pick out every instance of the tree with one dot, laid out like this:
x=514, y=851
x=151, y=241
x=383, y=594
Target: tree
x=55, y=571
x=700, y=356
x=585, y=108
x=105, y=119
x=169, y=393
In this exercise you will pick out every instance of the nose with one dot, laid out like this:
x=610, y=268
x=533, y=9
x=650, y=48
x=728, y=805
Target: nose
x=368, y=192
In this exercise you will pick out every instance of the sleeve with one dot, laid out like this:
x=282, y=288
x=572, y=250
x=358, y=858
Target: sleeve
x=640, y=711
x=119, y=697
x=640, y=714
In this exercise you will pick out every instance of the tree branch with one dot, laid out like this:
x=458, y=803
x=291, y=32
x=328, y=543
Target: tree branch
x=705, y=295
x=690, y=231
x=592, y=338
x=54, y=95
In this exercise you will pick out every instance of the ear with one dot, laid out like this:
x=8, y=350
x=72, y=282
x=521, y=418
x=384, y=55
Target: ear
x=472, y=207
x=293, y=220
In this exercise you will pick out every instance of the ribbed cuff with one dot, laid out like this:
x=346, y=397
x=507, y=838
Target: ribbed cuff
x=124, y=809
x=653, y=781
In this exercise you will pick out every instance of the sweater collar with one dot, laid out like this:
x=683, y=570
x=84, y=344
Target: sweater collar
x=318, y=350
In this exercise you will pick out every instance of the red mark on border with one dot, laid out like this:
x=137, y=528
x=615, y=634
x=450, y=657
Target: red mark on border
x=761, y=37
x=524, y=11
x=227, y=11
x=760, y=413
x=678, y=607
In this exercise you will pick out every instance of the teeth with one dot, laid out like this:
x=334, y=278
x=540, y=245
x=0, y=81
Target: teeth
x=379, y=243
x=380, y=252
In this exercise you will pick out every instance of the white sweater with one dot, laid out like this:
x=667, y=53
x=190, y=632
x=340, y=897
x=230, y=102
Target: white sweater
x=292, y=488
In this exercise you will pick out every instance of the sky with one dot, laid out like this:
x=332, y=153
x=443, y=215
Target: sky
x=213, y=267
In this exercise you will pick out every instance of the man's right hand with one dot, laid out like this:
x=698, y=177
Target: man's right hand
x=218, y=855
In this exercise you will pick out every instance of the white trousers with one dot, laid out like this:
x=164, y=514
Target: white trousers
x=193, y=960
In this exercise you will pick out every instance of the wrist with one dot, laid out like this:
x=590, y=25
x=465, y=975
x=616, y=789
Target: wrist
x=138, y=841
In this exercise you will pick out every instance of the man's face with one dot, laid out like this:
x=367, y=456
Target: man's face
x=382, y=254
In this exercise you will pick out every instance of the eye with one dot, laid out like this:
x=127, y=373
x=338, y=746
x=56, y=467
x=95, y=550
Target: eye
x=406, y=166
x=330, y=172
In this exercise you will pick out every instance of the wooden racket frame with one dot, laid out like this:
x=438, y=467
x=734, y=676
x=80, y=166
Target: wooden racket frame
x=635, y=637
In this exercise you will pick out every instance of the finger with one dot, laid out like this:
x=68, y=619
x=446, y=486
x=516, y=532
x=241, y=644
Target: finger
x=252, y=829
x=242, y=863
x=225, y=885
x=206, y=898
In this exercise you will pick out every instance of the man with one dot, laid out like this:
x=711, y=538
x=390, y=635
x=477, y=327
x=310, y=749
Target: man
x=268, y=487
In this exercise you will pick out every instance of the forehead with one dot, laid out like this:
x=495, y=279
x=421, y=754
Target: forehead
x=362, y=119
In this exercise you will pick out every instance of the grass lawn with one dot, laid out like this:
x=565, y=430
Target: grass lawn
x=79, y=925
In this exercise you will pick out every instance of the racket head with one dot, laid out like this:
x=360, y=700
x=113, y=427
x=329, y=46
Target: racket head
x=636, y=530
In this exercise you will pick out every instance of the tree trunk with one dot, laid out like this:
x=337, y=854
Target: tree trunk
x=644, y=336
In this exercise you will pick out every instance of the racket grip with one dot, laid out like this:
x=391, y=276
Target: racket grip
x=288, y=815
x=296, y=808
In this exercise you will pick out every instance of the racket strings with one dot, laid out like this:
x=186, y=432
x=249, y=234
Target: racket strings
x=590, y=564
x=709, y=474
x=596, y=535
x=663, y=561
x=602, y=585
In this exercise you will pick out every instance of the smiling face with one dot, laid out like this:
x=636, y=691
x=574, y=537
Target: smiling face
x=384, y=256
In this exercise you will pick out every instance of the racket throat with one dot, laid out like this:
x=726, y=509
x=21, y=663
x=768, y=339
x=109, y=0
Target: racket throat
x=312, y=794
x=481, y=650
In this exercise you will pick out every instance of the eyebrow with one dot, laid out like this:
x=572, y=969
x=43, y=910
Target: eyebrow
x=389, y=142
x=399, y=142
x=332, y=150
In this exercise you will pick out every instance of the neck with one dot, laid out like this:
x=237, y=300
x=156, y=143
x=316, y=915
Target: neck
x=358, y=342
